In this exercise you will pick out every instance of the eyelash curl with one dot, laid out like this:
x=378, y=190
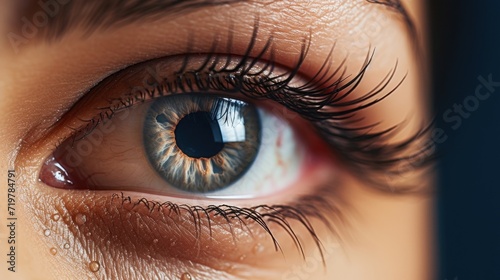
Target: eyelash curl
x=313, y=101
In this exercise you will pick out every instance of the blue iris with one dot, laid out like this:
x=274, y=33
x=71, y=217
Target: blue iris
x=201, y=143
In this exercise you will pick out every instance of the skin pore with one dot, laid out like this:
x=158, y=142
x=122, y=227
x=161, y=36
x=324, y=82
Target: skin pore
x=369, y=229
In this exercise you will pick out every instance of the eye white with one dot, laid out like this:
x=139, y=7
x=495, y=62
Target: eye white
x=276, y=166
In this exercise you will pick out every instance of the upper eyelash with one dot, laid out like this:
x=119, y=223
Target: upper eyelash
x=327, y=88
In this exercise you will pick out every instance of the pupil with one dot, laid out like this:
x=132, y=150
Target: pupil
x=198, y=135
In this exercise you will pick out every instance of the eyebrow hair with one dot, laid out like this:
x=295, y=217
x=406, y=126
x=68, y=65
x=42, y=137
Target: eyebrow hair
x=52, y=19
x=55, y=18
x=399, y=8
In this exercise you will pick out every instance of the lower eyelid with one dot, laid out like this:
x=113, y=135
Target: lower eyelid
x=113, y=219
x=122, y=222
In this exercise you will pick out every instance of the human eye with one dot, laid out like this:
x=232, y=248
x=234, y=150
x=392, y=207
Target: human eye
x=245, y=152
x=195, y=132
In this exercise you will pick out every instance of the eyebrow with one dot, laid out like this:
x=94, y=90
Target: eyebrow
x=52, y=19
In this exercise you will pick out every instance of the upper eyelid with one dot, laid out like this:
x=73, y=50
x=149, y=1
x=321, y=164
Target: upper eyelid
x=231, y=64
x=89, y=76
x=213, y=53
x=168, y=84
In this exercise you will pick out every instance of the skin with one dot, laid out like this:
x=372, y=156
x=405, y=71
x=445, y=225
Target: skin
x=379, y=235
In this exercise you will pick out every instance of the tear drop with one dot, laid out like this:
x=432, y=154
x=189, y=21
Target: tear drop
x=66, y=246
x=186, y=276
x=56, y=217
x=94, y=266
x=46, y=232
x=80, y=219
x=53, y=251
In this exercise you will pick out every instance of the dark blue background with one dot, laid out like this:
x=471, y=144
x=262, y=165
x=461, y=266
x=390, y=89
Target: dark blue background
x=466, y=44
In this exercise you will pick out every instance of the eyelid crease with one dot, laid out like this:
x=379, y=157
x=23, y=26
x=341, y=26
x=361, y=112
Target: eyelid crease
x=399, y=8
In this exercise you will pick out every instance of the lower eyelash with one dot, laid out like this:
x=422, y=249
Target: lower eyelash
x=310, y=207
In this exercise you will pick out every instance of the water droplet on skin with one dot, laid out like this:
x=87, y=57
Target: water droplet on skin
x=173, y=241
x=155, y=241
x=56, y=217
x=88, y=234
x=94, y=266
x=230, y=268
x=186, y=276
x=46, y=232
x=243, y=257
x=66, y=246
x=259, y=248
x=53, y=251
x=80, y=219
